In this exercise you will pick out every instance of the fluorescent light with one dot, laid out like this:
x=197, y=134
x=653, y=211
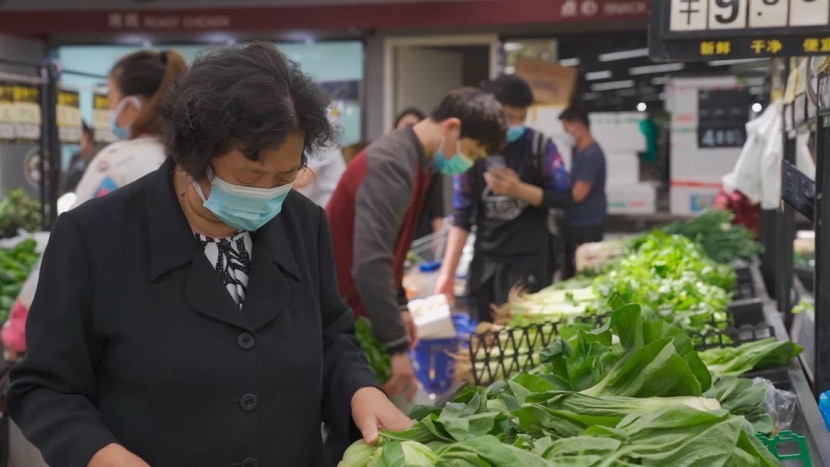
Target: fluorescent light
x=629, y=83
x=628, y=92
x=755, y=90
x=651, y=69
x=757, y=107
x=641, y=107
x=735, y=62
x=512, y=46
x=598, y=75
x=569, y=62
x=623, y=55
x=660, y=80
x=589, y=96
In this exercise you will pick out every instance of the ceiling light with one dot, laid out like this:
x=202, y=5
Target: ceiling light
x=651, y=69
x=623, y=55
x=629, y=83
x=641, y=107
x=660, y=80
x=569, y=62
x=757, y=107
x=598, y=75
x=512, y=46
x=735, y=62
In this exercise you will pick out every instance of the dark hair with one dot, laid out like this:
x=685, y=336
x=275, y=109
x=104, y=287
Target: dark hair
x=482, y=118
x=575, y=114
x=510, y=90
x=409, y=111
x=86, y=129
x=247, y=98
x=150, y=75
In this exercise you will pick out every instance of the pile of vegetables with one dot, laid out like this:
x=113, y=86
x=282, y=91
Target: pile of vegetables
x=751, y=356
x=631, y=393
x=714, y=232
x=15, y=265
x=377, y=355
x=18, y=211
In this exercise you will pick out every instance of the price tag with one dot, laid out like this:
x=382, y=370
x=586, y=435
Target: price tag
x=721, y=137
x=688, y=15
x=809, y=12
x=727, y=14
x=768, y=13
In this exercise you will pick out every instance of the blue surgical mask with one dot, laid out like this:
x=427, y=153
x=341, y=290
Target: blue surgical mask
x=122, y=132
x=243, y=207
x=514, y=133
x=455, y=165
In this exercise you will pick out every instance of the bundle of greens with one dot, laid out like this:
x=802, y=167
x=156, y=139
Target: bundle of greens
x=751, y=356
x=714, y=232
x=629, y=394
x=18, y=211
x=743, y=397
x=674, y=278
x=377, y=355
x=15, y=266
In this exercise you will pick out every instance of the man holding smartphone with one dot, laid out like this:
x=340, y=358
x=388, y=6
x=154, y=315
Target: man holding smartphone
x=507, y=197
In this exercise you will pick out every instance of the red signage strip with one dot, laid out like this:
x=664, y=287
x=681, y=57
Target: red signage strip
x=321, y=17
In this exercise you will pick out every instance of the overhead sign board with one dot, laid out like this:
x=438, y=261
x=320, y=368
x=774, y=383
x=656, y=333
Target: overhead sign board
x=699, y=30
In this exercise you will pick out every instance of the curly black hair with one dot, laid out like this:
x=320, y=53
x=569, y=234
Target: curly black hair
x=482, y=118
x=247, y=98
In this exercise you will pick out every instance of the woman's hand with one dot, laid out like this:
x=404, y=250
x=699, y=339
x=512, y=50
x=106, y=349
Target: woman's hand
x=373, y=411
x=115, y=455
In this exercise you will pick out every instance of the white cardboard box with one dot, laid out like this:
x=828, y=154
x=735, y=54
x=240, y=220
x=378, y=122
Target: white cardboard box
x=634, y=198
x=618, y=131
x=621, y=168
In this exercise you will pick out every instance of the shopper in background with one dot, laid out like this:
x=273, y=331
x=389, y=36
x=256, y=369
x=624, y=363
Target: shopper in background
x=432, y=216
x=80, y=160
x=585, y=221
x=142, y=79
x=194, y=318
x=376, y=207
x=319, y=178
x=508, y=203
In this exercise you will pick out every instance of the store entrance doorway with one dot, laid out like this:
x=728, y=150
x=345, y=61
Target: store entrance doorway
x=420, y=70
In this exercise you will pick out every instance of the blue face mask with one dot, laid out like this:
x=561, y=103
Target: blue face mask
x=455, y=165
x=514, y=133
x=242, y=207
x=122, y=132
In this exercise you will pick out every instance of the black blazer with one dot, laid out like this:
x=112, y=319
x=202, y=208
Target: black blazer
x=133, y=339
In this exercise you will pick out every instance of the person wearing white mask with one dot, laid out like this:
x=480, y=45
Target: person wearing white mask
x=137, y=85
x=319, y=178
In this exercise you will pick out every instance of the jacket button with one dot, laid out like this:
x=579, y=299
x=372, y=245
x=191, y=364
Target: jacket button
x=248, y=402
x=249, y=462
x=245, y=341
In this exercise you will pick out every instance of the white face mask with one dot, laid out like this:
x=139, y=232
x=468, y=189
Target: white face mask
x=569, y=140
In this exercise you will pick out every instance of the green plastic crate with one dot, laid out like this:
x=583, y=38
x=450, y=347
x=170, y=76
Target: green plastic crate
x=803, y=454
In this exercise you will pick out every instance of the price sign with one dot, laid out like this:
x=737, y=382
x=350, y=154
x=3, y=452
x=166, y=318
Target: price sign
x=809, y=13
x=6, y=104
x=101, y=119
x=689, y=15
x=26, y=111
x=697, y=30
x=768, y=13
x=69, y=116
x=727, y=14
x=721, y=137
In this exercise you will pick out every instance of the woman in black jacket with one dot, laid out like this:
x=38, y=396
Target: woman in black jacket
x=193, y=318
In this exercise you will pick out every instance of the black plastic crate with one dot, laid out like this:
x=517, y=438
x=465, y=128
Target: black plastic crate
x=746, y=312
x=496, y=355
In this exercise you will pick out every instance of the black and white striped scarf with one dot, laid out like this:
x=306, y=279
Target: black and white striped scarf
x=231, y=258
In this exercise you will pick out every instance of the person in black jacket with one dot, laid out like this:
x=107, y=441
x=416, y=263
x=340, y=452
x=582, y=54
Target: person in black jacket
x=193, y=318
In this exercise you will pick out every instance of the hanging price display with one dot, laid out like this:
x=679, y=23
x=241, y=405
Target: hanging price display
x=6, y=105
x=69, y=116
x=722, y=118
x=101, y=119
x=695, y=30
x=25, y=114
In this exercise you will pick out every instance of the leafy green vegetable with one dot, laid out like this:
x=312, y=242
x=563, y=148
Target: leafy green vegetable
x=377, y=355
x=676, y=435
x=486, y=451
x=15, y=266
x=393, y=454
x=18, y=211
x=757, y=355
x=743, y=397
x=721, y=241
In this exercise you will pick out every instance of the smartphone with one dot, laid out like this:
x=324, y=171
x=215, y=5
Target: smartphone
x=495, y=162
